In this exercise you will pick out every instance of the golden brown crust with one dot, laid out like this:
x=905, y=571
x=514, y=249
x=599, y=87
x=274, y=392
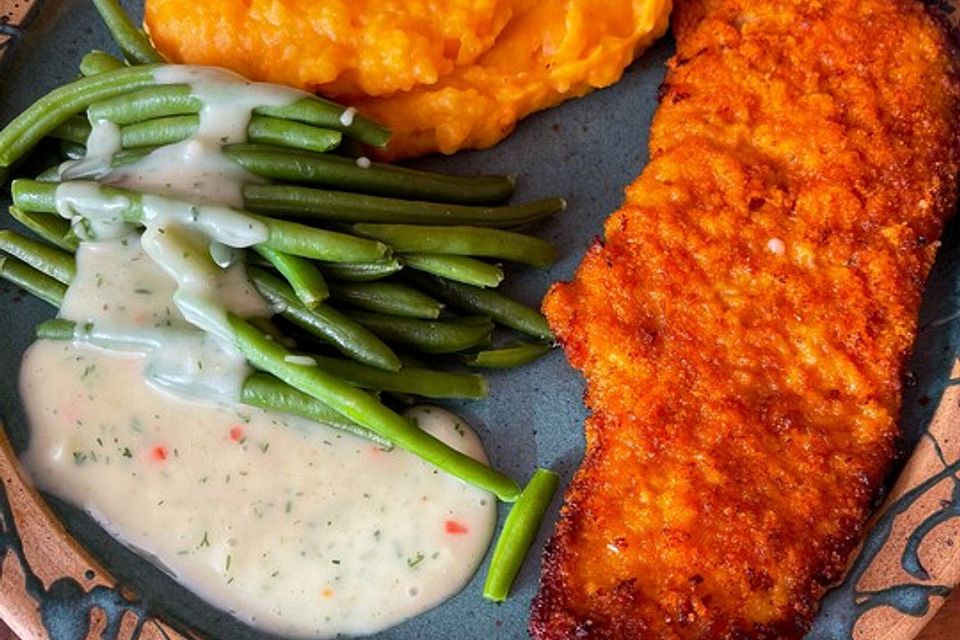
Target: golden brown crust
x=743, y=327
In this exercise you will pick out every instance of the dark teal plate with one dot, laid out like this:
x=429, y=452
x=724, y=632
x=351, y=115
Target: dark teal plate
x=586, y=150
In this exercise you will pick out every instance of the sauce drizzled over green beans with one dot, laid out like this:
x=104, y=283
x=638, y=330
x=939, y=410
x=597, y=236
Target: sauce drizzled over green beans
x=205, y=276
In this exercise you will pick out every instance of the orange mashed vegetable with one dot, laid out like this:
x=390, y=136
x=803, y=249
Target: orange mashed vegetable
x=442, y=74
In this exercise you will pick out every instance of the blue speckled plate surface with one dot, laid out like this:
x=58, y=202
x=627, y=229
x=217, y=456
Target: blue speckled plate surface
x=586, y=150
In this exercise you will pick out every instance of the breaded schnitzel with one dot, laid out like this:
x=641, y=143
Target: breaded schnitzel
x=744, y=325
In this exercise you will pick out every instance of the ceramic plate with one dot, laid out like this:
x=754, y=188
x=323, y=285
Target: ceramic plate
x=586, y=150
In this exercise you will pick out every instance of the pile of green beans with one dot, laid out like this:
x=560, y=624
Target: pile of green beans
x=368, y=266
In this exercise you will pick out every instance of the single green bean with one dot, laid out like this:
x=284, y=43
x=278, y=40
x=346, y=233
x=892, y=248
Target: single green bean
x=133, y=43
x=159, y=131
x=34, y=196
x=365, y=410
x=428, y=336
x=146, y=103
x=379, y=179
x=361, y=271
x=32, y=281
x=55, y=263
x=75, y=129
x=283, y=236
x=53, y=229
x=340, y=206
x=390, y=298
x=304, y=276
x=458, y=268
x=262, y=129
x=508, y=357
x=497, y=306
x=97, y=62
x=161, y=101
x=323, y=113
x=267, y=392
x=519, y=531
x=420, y=381
x=291, y=135
x=55, y=108
x=55, y=329
x=319, y=244
x=346, y=335
x=462, y=241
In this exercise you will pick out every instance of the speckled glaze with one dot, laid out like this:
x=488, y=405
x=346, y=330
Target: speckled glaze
x=586, y=150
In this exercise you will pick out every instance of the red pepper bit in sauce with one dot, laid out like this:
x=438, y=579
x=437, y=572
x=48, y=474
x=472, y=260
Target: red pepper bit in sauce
x=236, y=433
x=158, y=453
x=454, y=527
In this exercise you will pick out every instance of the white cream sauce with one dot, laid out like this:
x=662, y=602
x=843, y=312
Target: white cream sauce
x=292, y=526
x=194, y=169
x=228, y=98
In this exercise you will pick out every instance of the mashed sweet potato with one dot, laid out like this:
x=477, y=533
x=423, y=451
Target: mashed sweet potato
x=442, y=74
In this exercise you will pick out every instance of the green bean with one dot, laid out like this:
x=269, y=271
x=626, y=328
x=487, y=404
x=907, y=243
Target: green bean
x=162, y=131
x=53, y=229
x=160, y=101
x=97, y=62
x=519, y=532
x=325, y=322
x=285, y=237
x=497, y=306
x=329, y=246
x=159, y=131
x=462, y=241
x=291, y=135
x=390, y=298
x=323, y=113
x=339, y=206
x=383, y=179
x=146, y=103
x=365, y=410
x=134, y=43
x=458, y=268
x=307, y=281
x=428, y=336
x=360, y=271
x=415, y=380
x=267, y=392
x=75, y=129
x=55, y=108
x=55, y=329
x=55, y=263
x=32, y=281
x=508, y=357
x=38, y=197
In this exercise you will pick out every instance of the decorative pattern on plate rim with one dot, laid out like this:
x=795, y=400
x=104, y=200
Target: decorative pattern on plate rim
x=13, y=16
